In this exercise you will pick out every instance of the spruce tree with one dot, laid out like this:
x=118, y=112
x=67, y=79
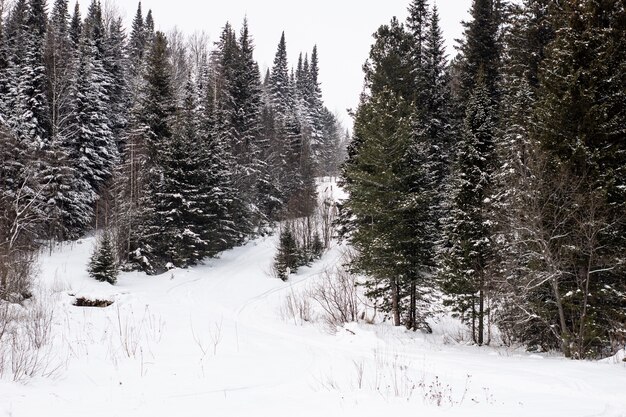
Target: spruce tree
x=60, y=66
x=279, y=85
x=184, y=197
x=76, y=27
x=103, y=266
x=579, y=109
x=223, y=232
x=89, y=138
x=249, y=97
x=288, y=257
x=518, y=178
x=466, y=253
x=157, y=111
x=374, y=180
x=137, y=42
x=26, y=104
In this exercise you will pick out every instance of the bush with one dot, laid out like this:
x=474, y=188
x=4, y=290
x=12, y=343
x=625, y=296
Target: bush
x=337, y=295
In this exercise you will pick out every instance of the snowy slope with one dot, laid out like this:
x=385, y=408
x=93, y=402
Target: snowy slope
x=211, y=341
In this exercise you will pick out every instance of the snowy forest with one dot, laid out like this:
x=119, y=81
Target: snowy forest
x=497, y=181
x=177, y=148
x=185, y=229
x=172, y=212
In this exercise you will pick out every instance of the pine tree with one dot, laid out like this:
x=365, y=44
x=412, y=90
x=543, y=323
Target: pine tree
x=89, y=138
x=279, y=85
x=579, y=108
x=157, y=110
x=287, y=259
x=249, y=97
x=60, y=65
x=467, y=247
x=26, y=103
x=389, y=65
x=518, y=178
x=466, y=253
x=115, y=65
x=76, y=27
x=103, y=266
x=374, y=180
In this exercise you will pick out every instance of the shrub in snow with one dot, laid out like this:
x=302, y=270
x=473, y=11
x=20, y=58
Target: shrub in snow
x=103, y=266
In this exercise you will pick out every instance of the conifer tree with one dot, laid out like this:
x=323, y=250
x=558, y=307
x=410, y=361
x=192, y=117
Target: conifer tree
x=315, y=107
x=184, y=196
x=466, y=252
x=233, y=110
x=582, y=180
x=417, y=25
x=60, y=66
x=137, y=42
x=90, y=139
x=439, y=125
x=467, y=247
x=389, y=64
x=374, y=177
x=26, y=103
x=410, y=186
x=76, y=27
x=115, y=65
x=249, y=96
x=279, y=85
x=223, y=232
x=156, y=114
x=103, y=266
x=518, y=179
x=287, y=259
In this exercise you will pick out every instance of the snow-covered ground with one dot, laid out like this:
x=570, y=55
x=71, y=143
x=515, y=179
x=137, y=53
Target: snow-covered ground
x=212, y=341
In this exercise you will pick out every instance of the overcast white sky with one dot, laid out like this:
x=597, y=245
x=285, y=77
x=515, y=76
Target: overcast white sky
x=341, y=29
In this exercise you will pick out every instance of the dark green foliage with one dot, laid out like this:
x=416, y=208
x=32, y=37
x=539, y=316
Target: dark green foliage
x=397, y=165
x=156, y=114
x=578, y=113
x=279, y=85
x=390, y=66
x=317, y=247
x=466, y=253
x=466, y=249
x=76, y=27
x=288, y=258
x=481, y=47
x=103, y=265
x=382, y=206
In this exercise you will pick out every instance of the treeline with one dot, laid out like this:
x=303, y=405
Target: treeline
x=497, y=180
x=179, y=148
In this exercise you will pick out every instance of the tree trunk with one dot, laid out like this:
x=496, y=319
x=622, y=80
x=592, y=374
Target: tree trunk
x=481, y=315
x=395, y=302
x=413, y=307
x=565, y=336
x=474, y=319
